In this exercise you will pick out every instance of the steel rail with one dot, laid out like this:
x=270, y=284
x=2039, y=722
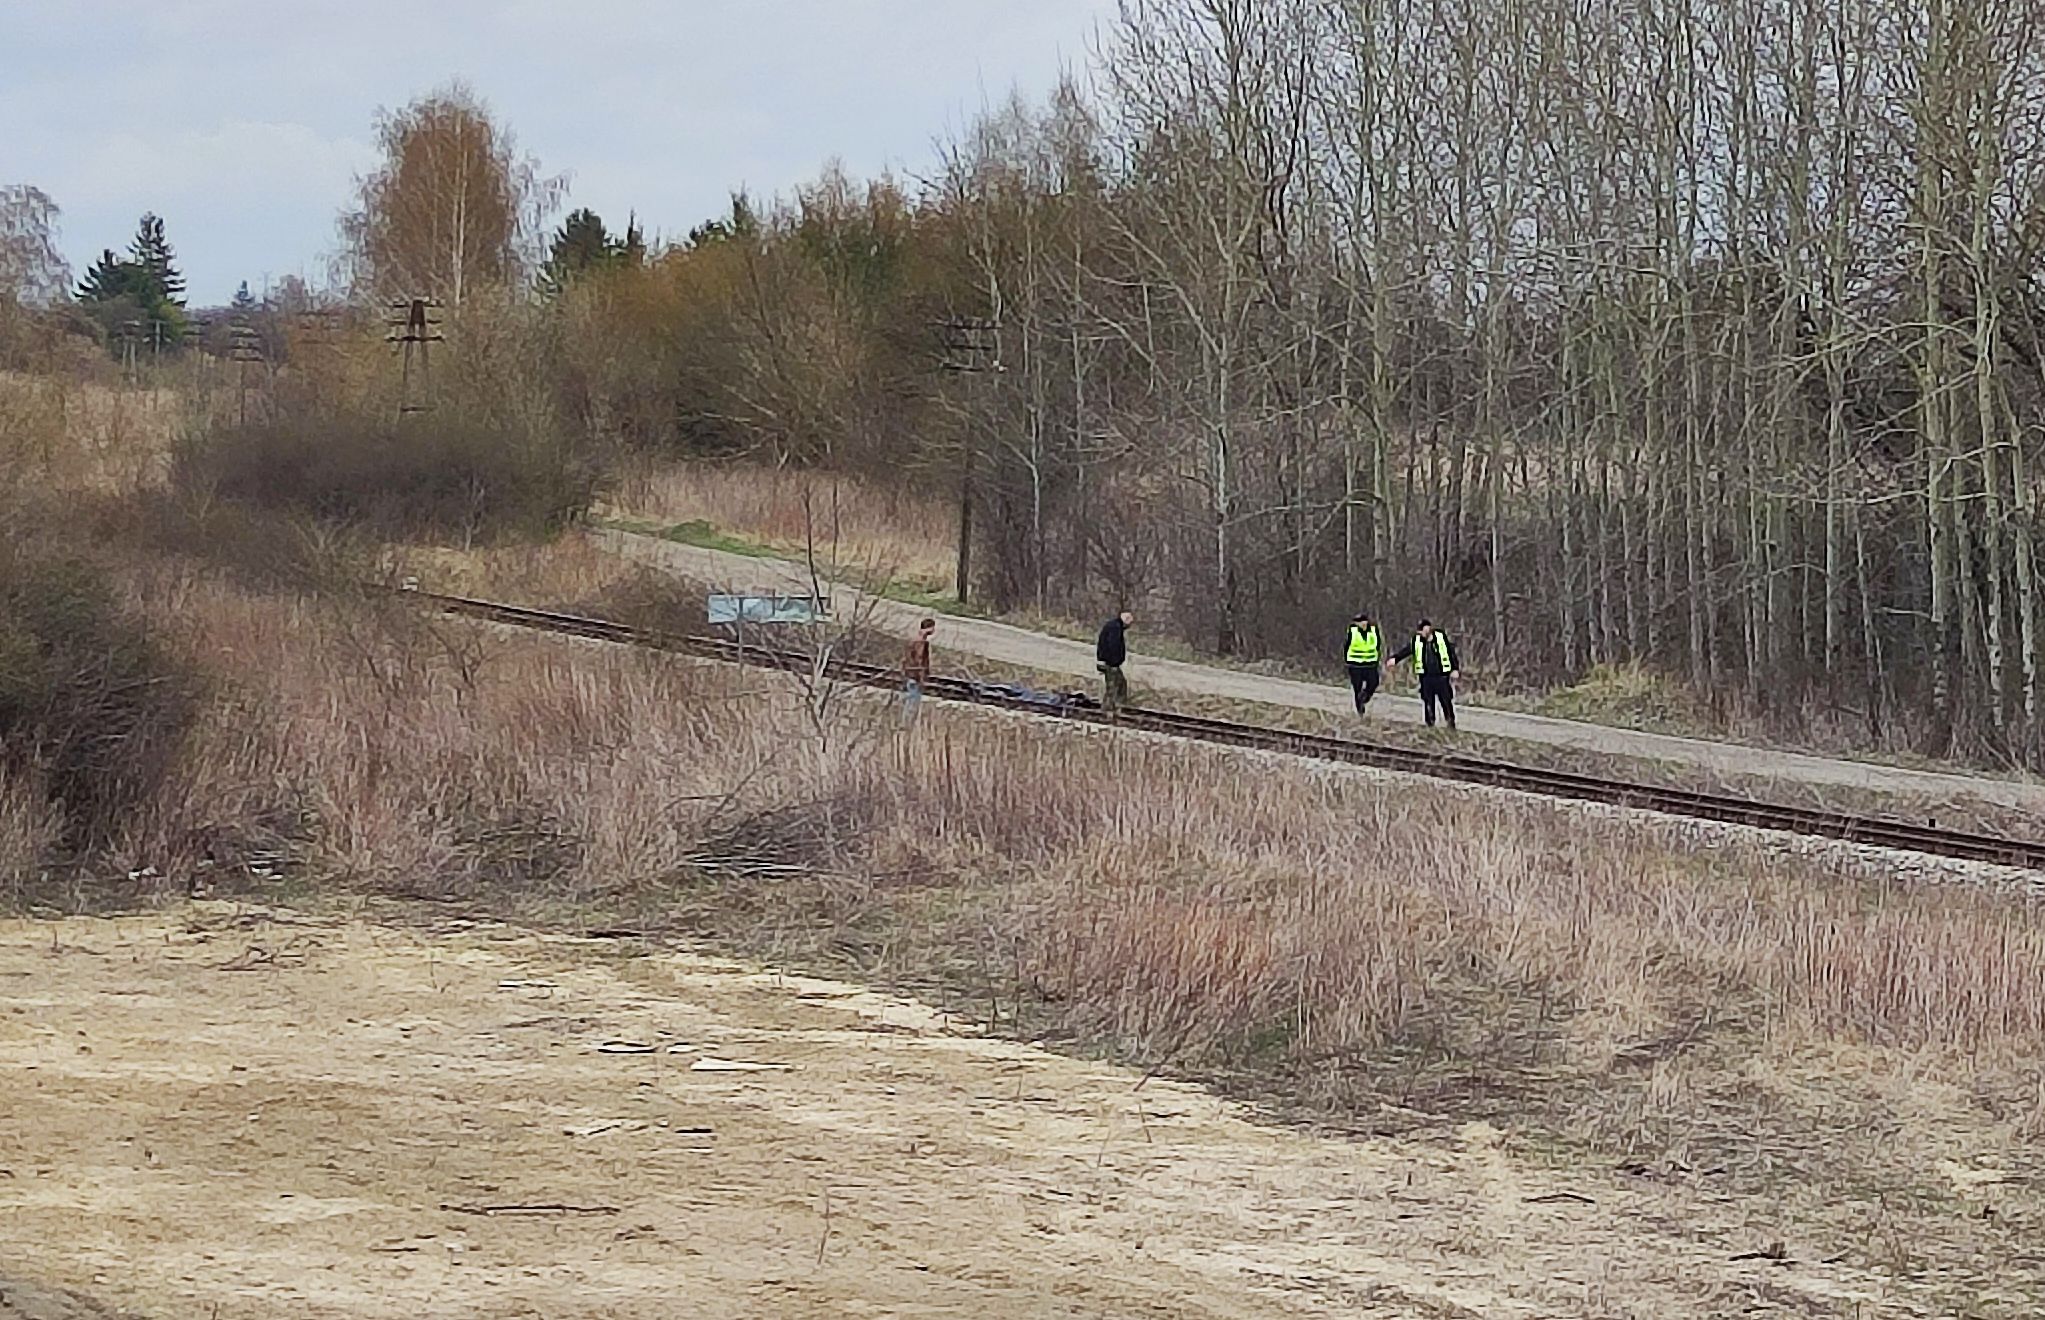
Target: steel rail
x=1871, y=831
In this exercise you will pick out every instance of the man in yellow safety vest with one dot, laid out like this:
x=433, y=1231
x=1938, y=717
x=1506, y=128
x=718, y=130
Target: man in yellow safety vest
x=1434, y=664
x=1363, y=660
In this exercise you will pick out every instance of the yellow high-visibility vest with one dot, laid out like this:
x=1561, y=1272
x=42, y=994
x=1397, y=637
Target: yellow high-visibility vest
x=1441, y=649
x=1363, y=645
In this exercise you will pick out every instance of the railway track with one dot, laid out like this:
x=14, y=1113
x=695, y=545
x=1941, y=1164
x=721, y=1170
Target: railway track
x=1872, y=831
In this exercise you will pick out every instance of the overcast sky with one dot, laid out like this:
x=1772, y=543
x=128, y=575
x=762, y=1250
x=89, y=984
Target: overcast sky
x=243, y=124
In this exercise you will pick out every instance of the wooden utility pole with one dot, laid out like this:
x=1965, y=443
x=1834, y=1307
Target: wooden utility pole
x=245, y=346
x=972, y=346
x=131, y=334
x=415, y=323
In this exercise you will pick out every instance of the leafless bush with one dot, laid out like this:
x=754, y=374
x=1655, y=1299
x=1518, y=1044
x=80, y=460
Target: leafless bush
x=92, y=705
x=437, y=476
x=31, y=831
x=256, y=545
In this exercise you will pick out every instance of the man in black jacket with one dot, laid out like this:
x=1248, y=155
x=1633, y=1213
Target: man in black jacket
x=1434, y=663
x=1109, y=654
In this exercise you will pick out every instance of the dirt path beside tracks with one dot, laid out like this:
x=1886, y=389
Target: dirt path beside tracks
x=232, y=1115
x=1011, y=645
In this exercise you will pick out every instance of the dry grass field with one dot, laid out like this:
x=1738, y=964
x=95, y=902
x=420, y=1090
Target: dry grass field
x=861, y=524
x=79, y=436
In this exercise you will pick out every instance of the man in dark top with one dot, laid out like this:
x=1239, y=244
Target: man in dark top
x=916, y=668
x=1434, y=663
x=1110, y=652
x=1362, y=658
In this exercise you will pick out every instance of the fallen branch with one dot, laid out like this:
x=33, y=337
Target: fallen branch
x=530, y=1208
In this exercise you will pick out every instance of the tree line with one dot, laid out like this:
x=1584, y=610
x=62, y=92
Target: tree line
x=125, y=301
x=1703, y=336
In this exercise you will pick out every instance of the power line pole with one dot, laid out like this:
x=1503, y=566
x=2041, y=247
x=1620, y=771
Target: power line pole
x=131, y=334
x=416, y=324
x=245, y=346
x=972, y=347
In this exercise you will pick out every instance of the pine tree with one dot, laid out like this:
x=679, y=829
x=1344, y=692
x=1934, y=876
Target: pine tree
x=743, y=224
x=582, y=244
x=151, y=251
x=143, y=286
x=108, y=278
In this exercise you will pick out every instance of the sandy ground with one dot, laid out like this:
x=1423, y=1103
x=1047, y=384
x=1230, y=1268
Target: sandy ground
x=1019, y=646
x=212, y=1113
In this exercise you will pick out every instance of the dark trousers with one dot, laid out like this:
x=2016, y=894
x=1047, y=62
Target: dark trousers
x=1436, y=690
x=1114, y=687
x=1364, y=679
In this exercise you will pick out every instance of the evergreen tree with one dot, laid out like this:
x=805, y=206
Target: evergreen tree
x=143, y=287
x=583, y=244
x=743, y=223
x=107, y=279
x=580, y=244
x=151, y=251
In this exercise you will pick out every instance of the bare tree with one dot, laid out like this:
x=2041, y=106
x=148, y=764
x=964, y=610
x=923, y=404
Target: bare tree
x=33, y=272
x=454, y=206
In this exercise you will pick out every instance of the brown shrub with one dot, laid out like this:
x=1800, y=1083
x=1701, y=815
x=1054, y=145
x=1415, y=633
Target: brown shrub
x=31, y=830
x=92, y=706
x=434, y=476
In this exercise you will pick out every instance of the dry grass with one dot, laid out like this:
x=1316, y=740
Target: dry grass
x=71, y=435
x=890, y=530
x=31, y=830
x=553, y=575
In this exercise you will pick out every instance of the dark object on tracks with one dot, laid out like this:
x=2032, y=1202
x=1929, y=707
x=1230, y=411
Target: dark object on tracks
x=1029, y=696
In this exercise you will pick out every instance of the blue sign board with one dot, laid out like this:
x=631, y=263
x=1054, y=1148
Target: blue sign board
x=729, y=609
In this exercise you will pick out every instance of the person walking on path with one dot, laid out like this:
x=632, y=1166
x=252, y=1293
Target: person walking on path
x=1434, y=664
x=1363, y=661
x=916, y=668
x=1110, y=653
